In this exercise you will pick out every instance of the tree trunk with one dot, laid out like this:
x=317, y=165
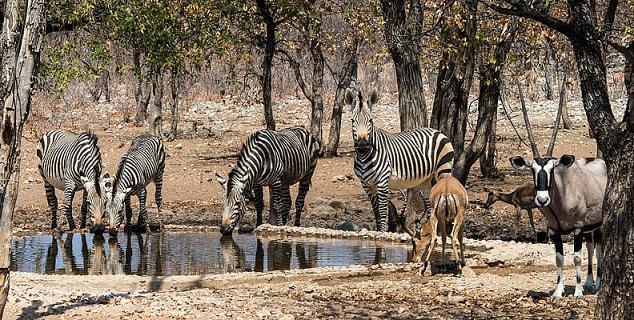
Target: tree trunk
x=155, y=120
x=20, y=50
x=317, y=101
x=487, y=160
x=490, y=81
x=267, y=62
x=403, y=29
x=141, y=89
x=565, y=113
x=174, y=79
x=455, y=76
x=550, y=72
x=345, y=78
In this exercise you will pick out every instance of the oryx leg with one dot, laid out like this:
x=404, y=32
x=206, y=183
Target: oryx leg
x=598, y=244
x=578, y=243
x=559, y=259
x=590, y=247
x=532, y=221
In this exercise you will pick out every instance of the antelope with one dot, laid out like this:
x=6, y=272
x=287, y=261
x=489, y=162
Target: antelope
x=523, y=198
x=449, y=202
x=569, y=193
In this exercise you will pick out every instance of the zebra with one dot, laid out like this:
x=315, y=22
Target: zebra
x=402, y=160
x=277, y=159
x=143, y=163
x=71, y=162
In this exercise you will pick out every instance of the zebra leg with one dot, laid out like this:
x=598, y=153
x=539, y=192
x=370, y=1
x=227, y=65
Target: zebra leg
x=304, y=185
x=382, y=194
x=158, y=197
x=142, y=220
x=590, y=247
x=52, y=203
x=259, y=203
x=284, y=205
x=578, y=243
x=67, y=206
x=84, y=210
x=559, y=250
x=128, y=211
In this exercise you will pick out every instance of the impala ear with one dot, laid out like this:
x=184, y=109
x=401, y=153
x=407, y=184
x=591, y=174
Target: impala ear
x=566, y=160
x=519, y=163
x=222, y=181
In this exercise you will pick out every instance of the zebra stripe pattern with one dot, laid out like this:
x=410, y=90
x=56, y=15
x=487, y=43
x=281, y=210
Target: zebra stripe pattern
x=71, y=162
x=143, y=163
x=402, y=160
x=277, y=159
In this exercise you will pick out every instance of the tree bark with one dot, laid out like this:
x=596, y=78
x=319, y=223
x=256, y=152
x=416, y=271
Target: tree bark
x=267, y=62
x=141, y=89
x=455, y=76
x=317, y=101
x=345, y=78
x=550, y=72
x=490, y=81
x=20, y=50
x=565, y=113
x=403, y=29
x=174, y=82
x=155, y=120
x=487, y=160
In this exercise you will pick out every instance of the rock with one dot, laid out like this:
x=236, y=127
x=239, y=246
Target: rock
x=287, y=317
x=336, y=204
x=348, y=226
x=264, y=313
x=178, y=146
x=354, y=209
x=338, y=178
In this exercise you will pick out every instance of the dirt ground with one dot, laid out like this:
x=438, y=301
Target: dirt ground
x=192, y=197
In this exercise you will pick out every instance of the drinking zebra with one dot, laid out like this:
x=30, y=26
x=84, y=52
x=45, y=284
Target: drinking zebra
x=71, y=162
x=277, y=159
x=402, y=160
x=143, y=163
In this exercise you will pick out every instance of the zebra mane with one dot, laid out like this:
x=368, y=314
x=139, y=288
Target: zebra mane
x=116, y=177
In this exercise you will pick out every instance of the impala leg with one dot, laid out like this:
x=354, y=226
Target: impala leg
x=559, y=259
x=518, y=213
x=442, y=224
x=434, y=224
x=578, y=243
x=457, y=226
x=532, y=221
x=590, y=247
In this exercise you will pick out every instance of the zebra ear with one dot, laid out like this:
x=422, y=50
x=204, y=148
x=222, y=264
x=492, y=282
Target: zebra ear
x=222, y=181
x=374, y=97
x=349, y=98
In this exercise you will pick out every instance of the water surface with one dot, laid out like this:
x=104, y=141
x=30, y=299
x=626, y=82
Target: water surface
x=190, y=253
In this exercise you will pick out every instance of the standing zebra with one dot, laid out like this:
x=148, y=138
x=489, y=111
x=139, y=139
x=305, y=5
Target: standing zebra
x=398, y=160
x=71, y=162
x=143, y=163
x=277, y=159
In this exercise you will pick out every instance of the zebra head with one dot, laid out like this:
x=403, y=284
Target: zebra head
x=543, y=172
x=92, y=188
x=362, y=125
x=115, y=208
x=233, y=200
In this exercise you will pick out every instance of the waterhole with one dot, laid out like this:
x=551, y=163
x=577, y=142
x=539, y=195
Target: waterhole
x=190, y=253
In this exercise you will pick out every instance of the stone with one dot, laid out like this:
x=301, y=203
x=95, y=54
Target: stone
x=178, y=146
x=336, y=204
x=354, y=209
x=348, y=226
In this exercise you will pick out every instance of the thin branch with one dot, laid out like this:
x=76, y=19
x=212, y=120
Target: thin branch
x=298, y=73
x=521, y=9
x=508, y=116
x=627, y=52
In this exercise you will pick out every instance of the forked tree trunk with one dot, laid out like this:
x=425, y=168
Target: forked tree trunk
x=267, y=62
x=345, y=78
x=490, y=81
x=455, y=76
x=141, y=89
x=155, y=119
x=20, y=50
x=403, y=29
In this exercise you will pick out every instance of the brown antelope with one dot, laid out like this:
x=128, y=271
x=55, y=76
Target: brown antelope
x=449, y=203
x=570, y=195
x=523, y=198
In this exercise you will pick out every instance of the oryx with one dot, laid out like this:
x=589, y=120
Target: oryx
x=569, y=193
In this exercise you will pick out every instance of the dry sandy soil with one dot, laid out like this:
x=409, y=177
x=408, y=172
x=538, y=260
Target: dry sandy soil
x=192, y=197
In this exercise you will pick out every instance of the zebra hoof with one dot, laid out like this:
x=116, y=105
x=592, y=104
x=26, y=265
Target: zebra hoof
x=154, y=227
x=98, y=229
x=226, y=230
x=111, y=232
x=141, y=228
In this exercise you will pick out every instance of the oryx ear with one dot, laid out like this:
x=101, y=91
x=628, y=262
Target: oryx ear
x=374, y=97
x=566, y=160
x=350, y=98
x=519, y=163
x=222, y=181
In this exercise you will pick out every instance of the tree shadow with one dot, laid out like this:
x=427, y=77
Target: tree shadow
x=58, y=308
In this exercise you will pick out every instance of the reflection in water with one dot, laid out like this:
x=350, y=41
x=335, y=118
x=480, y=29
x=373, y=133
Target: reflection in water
x=189, y=254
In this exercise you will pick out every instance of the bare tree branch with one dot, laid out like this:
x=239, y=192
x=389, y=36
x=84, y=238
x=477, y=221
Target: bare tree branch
x=522, y=9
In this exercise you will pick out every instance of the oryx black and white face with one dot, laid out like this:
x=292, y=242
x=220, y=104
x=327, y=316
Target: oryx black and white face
x=362, y=124
x=543, y=173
